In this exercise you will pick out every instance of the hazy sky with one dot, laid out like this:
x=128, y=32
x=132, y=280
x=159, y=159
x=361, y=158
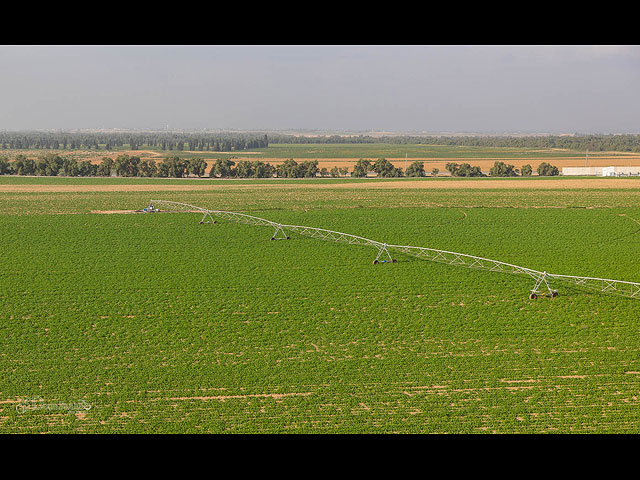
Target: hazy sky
x=536, y=89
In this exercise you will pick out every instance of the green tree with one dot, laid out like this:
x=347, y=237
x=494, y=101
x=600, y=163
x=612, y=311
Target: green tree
x=87, y=169
x=547, y=170
x=106, y=167
x=177, y=167
x=41, y=167
x=223, y=167
x=127, y=166
x=435, y=172
x=29, y=166
x=262, y=170
x=416, y=169
x=244, y=169
x=288, y=169
x=197, y=166
x=163, y=169
x=70, y=167
x=452, y=168
x=148, y=168
x=384, y=168
x=361, y=168
x=53, y=164
x=308, y=169
x=527, y=170
x=501, y=169
x=464, y=170
x=23, y=165
x=5, y=166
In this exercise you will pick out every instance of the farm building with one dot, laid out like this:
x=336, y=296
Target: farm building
x=602, y=171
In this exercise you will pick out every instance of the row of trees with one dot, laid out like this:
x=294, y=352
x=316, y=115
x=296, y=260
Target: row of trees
x=463, y=170
x=52, y=164
x=309, y=168
x=219, y=142
x=48, y=165
x=501, y=169
x=132, y=166
x=230, y=141
x=580, y=142
x=382, y=167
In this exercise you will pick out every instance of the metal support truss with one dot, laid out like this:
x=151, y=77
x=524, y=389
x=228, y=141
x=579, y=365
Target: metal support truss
x=542, y=286
x=205, y=216
x=616, y=287
x=536, y=292
x=340, y=237
x=383, y=249
x=173, y=207
x=280, y=234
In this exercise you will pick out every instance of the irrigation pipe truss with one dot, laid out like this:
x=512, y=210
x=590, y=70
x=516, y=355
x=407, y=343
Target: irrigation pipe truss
x=542, y=279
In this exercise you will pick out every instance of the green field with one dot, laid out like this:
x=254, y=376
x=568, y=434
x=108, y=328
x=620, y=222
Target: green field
x=377, y=150
x=164, y=325
x=61, y=180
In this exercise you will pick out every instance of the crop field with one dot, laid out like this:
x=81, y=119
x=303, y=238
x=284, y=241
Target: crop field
x=155, y=323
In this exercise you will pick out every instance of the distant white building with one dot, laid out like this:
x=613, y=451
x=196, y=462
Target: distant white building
x=602, y=171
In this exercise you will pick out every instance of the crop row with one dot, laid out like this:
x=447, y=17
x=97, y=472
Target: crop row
x=161, y=324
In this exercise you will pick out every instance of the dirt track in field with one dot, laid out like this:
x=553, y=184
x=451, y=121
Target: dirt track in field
x=427, y=184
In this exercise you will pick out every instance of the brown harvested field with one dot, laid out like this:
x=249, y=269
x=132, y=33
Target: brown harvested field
x=427, y=184
x=485, y=163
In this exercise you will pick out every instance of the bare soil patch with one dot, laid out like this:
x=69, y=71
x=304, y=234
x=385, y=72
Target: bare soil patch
x=115, y=211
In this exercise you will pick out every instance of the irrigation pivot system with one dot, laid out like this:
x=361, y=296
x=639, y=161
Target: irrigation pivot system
x=542, y=287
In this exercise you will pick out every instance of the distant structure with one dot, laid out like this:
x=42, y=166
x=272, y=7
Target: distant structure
x=602, y=171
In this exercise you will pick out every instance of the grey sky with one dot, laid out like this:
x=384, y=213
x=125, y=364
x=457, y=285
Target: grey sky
x=534, y=89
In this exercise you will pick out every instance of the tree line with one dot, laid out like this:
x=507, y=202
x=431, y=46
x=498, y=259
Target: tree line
x=580, y=142
x=223, y=142
x=52, y=164
x=235, y=141
x=501, y=169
